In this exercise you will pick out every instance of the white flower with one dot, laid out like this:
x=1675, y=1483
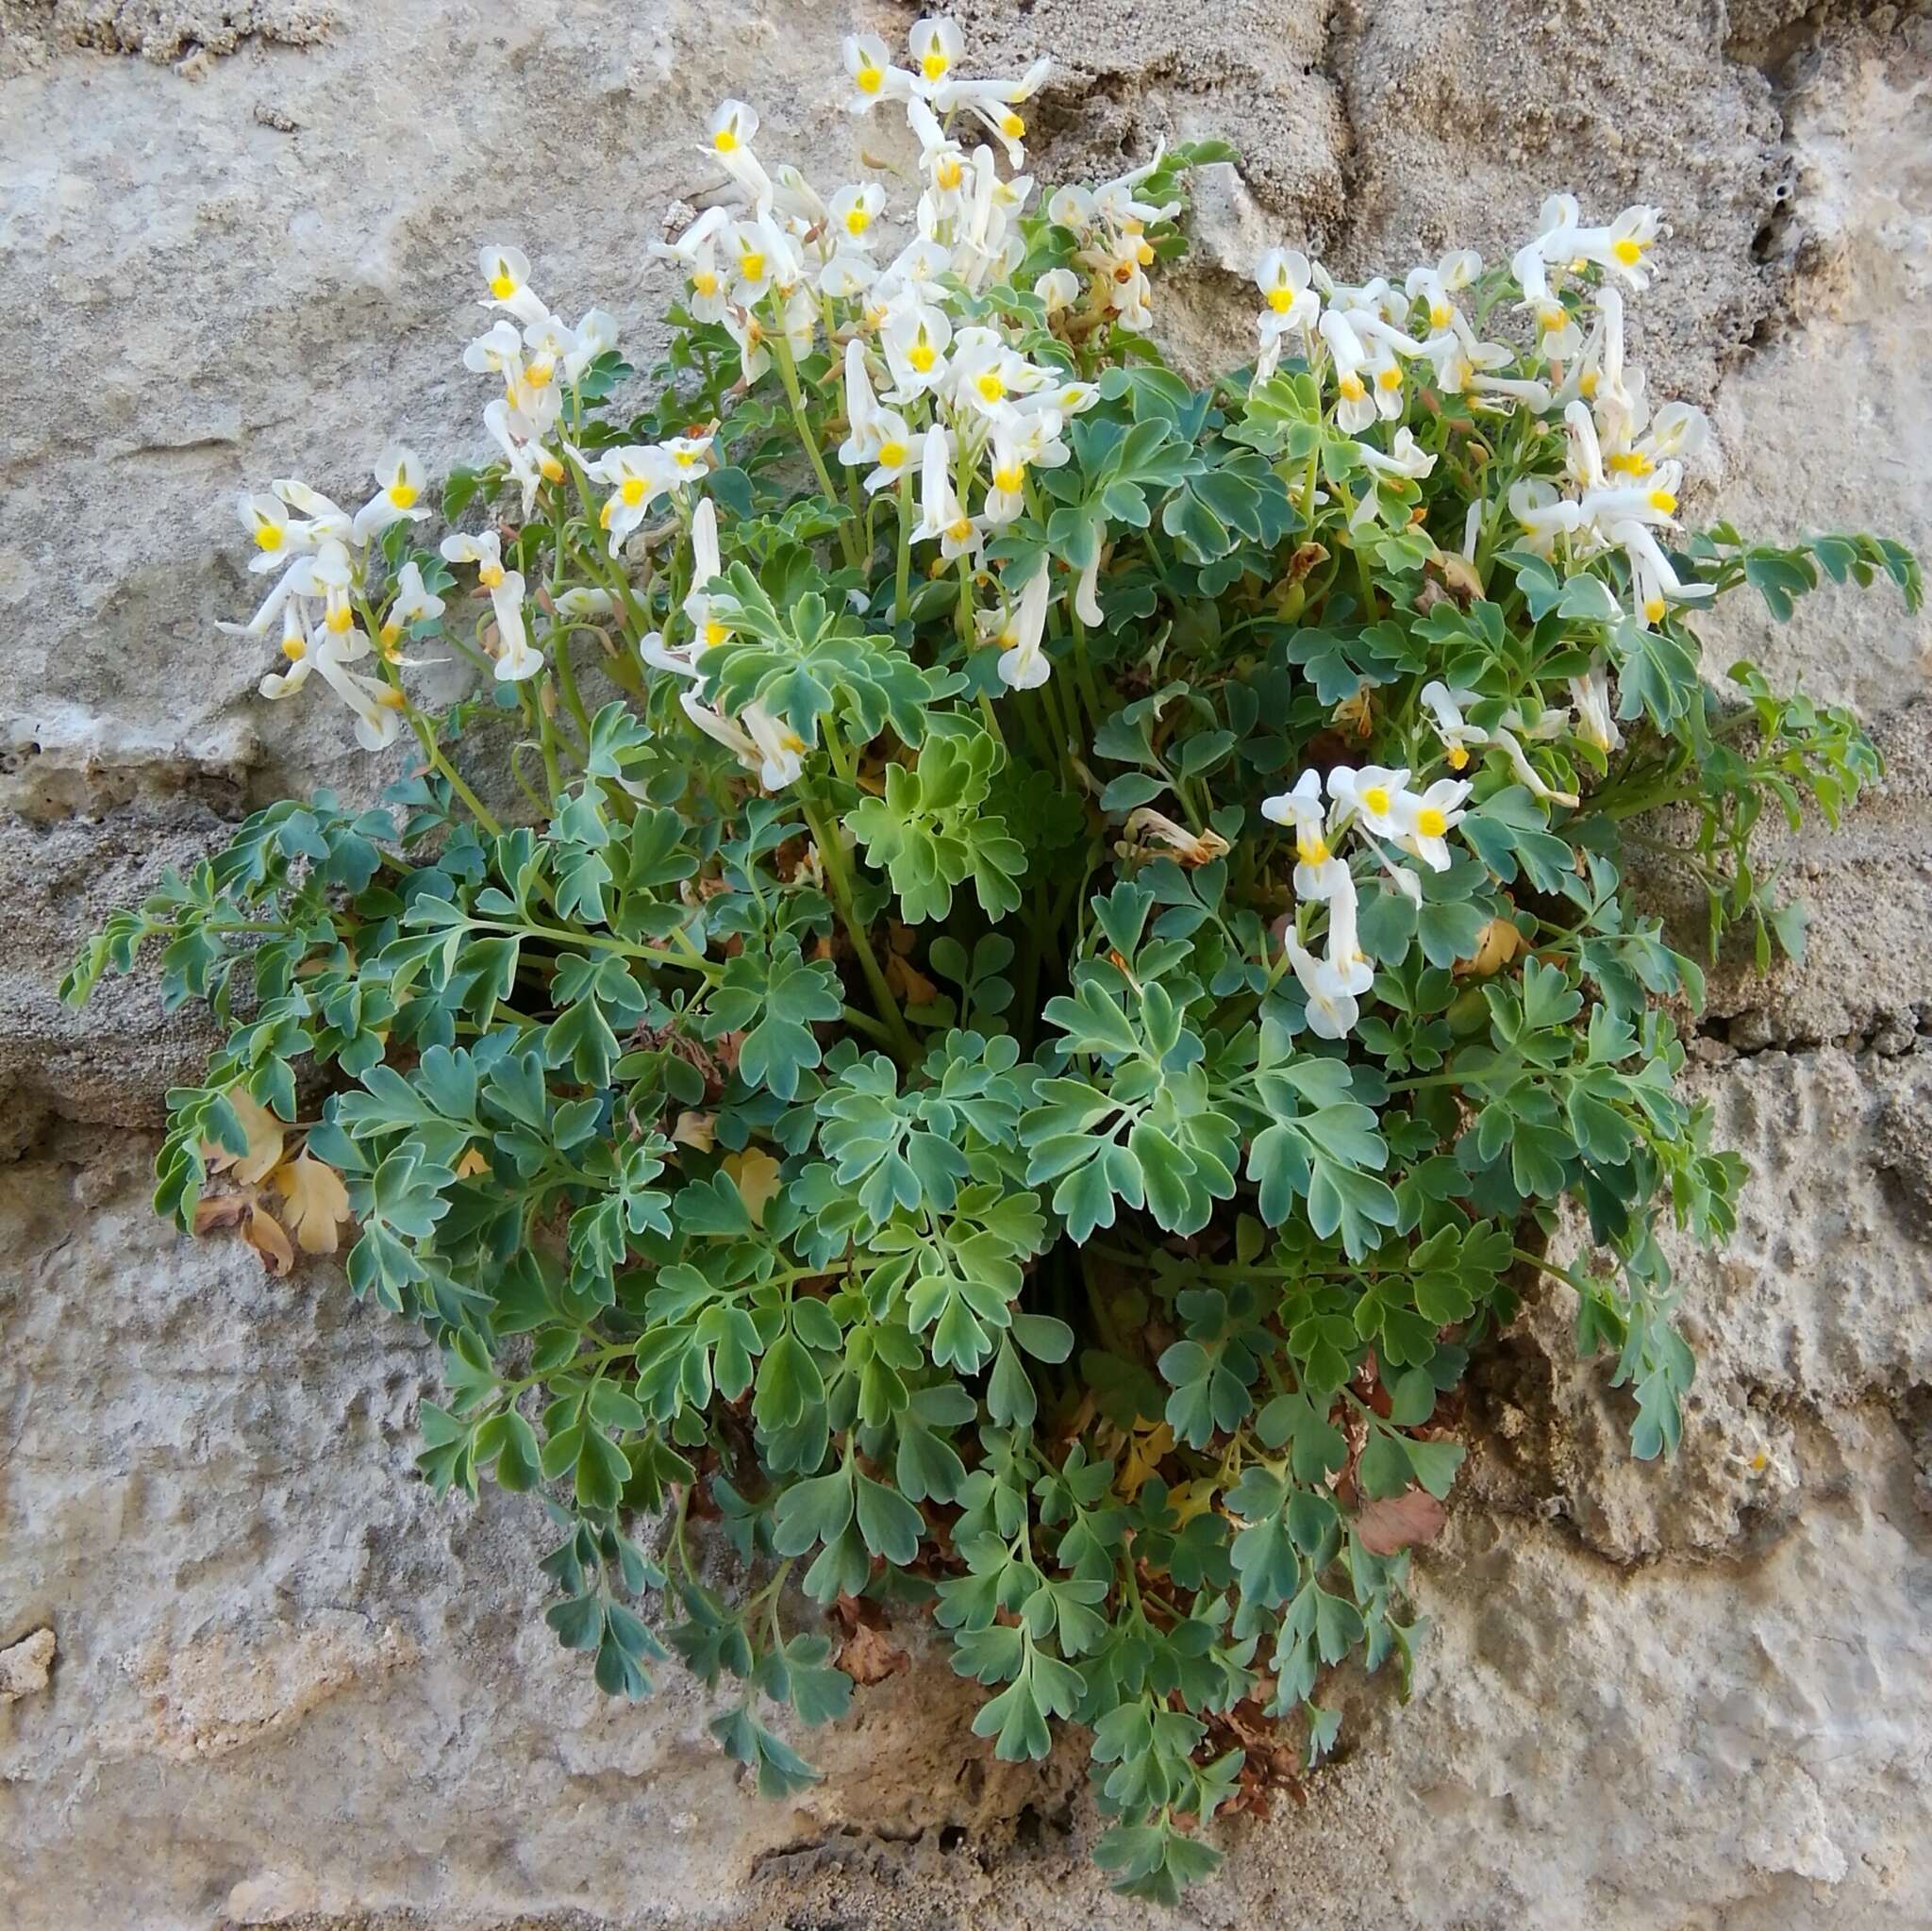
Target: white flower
x=916, y=340
x=942, y=517
x=706, y=565
x=1429, y=816
x=730, y=131
x=759, y=741
x=874, y=76
x=1526, y=774
x=327, y=518
x=506, y=271
x=1057, y=289
x=936, y=44
x=413, y=603
x=1376, y=797
x=1346, y=959
x=696, y=251
x=760, y=255
x=853, y=211
x=277, y=535
x=1459, y=737
x=861, y=410
x=638, y=475
x=1291, y=303
x=377, y=704
x=1596, y=722
x=1437, y=286
x=1023, y=664
x=1333, y=1009
x=1317, y=868
x=1115, y=201
x=1651, y=578
x=1087, y=587
x=583, y=602
x=897, y=452
x=398, y=483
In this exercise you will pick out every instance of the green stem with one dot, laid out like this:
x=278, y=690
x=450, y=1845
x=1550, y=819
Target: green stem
x=840, y=879
x=902, y=596
x=788, y=374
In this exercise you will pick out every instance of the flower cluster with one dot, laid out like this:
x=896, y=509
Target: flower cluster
x=988, y=994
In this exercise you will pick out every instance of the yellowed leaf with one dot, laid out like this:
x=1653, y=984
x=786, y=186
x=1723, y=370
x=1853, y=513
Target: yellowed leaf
x=264, y=1132
x=263, y=1232
x=317, y=1203
x=1500, y=942
x=1145, y=1449
x=474, y=1162
x=698, y=1131
x=755, y=1173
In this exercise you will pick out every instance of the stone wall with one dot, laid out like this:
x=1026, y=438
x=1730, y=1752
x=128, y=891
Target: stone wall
x=249, y=1671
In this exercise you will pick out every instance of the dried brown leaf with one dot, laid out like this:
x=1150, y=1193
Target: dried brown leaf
x=869, y=1655
x=1398, y=1522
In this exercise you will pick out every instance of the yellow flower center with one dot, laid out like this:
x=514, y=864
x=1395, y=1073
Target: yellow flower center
x=1144, y=254
x=990, y=386
x=1631, y=462
x=948, y=173
x=489, y=574
x=1376, y=801
x=503, y=286
x=920, y=356
x=856, y=221
x=268, y=536
x=1653, y=609
x=1281, y=300
x=295, y=649
x=390, y=634
x=402, y=494
x=705, y=282
x=869, y=78
x=1663, y=502
x=389, y=697
x=1008, y=476
x=960, y=529
x=549, y=468
x=1552, y=318
x=632, y=491
x=1310, y=848
x=1440, y=315
x=1431, y=823
x=751, y=265
x=934, y=65
x=1012, y=126
x=715, y=632
x=1353, y=387
x=684, y=458
x=1587, y=384
x=1391, y=377
x=340, y=619
x=1628, y=251
x=1459, y=757
x=725, y=141
x=891, y=454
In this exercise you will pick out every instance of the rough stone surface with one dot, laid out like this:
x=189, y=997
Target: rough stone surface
x=251, y=1673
